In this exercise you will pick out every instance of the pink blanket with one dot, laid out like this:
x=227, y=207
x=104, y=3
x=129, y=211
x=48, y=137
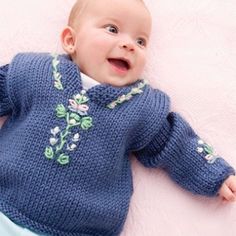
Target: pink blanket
x=192, y=57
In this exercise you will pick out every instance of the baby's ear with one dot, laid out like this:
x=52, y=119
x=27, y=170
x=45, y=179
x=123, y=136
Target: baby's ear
x=68, y=40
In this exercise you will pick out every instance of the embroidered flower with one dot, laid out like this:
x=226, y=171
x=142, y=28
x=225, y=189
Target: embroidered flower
x=56, y=75
x=122, y=99
x=136, y=91
x=112, y=105
x=55, y=131
x=128, y=96
x=76, y=137
x=201, y=142
x=74, y=115
x=71, y=147
x=200, y=149
x=81, y=98
x=78, y=108
x=206, y=149
x=53, y=141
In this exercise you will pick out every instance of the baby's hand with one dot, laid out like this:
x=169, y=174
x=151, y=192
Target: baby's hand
x=228, y=189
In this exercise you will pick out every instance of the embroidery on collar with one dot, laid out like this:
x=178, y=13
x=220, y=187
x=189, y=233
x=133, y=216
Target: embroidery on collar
x=210, y=155
x=56, y=75
x=128, y=96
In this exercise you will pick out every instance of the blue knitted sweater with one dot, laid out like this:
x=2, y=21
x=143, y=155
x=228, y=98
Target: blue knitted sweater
x=64, y=152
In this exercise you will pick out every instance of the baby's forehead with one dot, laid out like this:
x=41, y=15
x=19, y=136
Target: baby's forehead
x=82, y=6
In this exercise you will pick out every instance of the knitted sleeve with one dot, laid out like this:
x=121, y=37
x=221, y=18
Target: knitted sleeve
x=188, y=160
x=5, y=108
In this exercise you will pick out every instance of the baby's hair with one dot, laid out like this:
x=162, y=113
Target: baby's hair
x=78, y=8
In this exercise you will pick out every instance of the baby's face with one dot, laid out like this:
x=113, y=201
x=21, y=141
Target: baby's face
x=111, y=39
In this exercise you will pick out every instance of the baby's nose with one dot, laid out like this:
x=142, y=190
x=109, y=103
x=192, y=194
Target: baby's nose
x=127, y=46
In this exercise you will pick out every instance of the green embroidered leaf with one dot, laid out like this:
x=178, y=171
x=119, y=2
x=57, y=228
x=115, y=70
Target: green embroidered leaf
x=55, y=62
x=136, y=91
x=86, y=122
x=75, y=116
x=56, y=75
x=63, y=159
x=121, y=99
x=58, y=85
x=80, y=99
x=112, y=105
x=49, y=152
x=208, y=149
x=61, y=111
x=84, y=99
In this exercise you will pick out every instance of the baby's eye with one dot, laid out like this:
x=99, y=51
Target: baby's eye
x=112, y=28
x=142, y=42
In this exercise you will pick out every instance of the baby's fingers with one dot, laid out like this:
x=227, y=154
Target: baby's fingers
x=231, y=183
x=227, y=194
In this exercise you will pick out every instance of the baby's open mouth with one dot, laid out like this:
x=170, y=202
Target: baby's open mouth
x=120, y=63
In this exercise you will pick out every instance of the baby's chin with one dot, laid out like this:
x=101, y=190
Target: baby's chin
x=118, y=81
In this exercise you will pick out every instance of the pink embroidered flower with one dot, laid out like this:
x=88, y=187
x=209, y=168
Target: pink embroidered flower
x=83, y=107
x=78, y=108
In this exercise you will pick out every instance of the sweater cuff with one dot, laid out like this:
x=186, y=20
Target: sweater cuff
x=5, y=107
x=191, y=162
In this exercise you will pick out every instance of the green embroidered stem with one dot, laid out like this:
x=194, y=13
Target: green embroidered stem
x=67, y=117
x=65, y=133
x=62, y=139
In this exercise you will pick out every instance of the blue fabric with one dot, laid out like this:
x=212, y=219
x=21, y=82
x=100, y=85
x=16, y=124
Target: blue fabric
x=5, y=107
x=89, y=195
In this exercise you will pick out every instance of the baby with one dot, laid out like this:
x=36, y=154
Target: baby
x=74, y=120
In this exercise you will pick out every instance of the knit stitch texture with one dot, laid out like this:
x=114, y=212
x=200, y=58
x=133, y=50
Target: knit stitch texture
x=89, y=194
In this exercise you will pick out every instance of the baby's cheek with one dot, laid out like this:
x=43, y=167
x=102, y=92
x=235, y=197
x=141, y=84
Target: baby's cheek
x=108, y=44
x=140, y=65
x=102, y=40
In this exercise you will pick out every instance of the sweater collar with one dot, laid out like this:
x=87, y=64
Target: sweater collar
x=103, y=94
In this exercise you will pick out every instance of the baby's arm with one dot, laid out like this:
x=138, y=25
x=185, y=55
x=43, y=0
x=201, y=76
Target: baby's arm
x=228, y=189
x=187, y=159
